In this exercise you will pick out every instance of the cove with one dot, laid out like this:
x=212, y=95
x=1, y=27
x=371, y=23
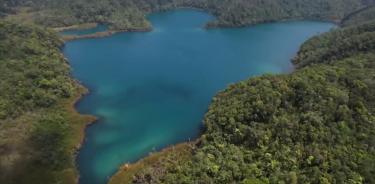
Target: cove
x=151, y=89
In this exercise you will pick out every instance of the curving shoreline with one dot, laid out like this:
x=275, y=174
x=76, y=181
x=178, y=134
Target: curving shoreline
x=108, y=33
x=76, y=27
x=102, y=34
x=127, y=171
x=79, y=130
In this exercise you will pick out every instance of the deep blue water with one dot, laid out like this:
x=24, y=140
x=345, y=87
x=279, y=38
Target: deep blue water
x=151, y=90
x=98, y=28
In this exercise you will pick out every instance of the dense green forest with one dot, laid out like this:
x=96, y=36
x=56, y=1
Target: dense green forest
x=316, y=125
x=130, y=14
x=37, y=138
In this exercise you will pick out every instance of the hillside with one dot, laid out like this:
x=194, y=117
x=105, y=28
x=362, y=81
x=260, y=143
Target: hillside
x=316, y=125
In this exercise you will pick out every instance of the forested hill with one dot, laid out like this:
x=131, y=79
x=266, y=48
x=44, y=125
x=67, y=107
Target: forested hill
x=316, y=125
x=130, y=14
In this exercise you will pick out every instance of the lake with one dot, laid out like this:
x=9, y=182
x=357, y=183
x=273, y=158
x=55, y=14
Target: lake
x=152, y=89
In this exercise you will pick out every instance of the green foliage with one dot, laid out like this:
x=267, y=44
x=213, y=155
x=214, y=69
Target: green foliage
x=49, y=139
x=120, y=15
x=33, y=72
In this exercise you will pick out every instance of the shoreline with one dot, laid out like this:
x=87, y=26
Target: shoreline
x=102, y=34
x=230, y=26
x=76, y=27
x=126, y=171
x=209, y=25
x=80, y=131
x=79, y=123
x=108, y=33
x=91, y=118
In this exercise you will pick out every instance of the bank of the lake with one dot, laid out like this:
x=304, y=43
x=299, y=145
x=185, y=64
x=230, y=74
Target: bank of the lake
x=151, y=90
x=126, y=172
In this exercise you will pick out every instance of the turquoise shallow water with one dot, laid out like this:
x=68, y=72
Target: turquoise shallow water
x=151, y=90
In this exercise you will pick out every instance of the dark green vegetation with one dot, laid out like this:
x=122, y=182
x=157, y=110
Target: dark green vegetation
x=130, y=14
x=37, y=128
x=316, y=125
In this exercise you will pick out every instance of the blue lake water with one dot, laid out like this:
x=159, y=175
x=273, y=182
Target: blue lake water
x=98, y=28
x=151, y=89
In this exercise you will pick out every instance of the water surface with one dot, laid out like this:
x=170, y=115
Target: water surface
x=151, y=90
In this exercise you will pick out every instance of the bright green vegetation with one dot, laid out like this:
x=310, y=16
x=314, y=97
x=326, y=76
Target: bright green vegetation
x=316, y=125
x=38, y=130
x=130, y=14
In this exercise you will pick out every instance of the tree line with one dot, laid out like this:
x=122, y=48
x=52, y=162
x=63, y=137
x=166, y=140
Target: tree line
x=131, y=14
